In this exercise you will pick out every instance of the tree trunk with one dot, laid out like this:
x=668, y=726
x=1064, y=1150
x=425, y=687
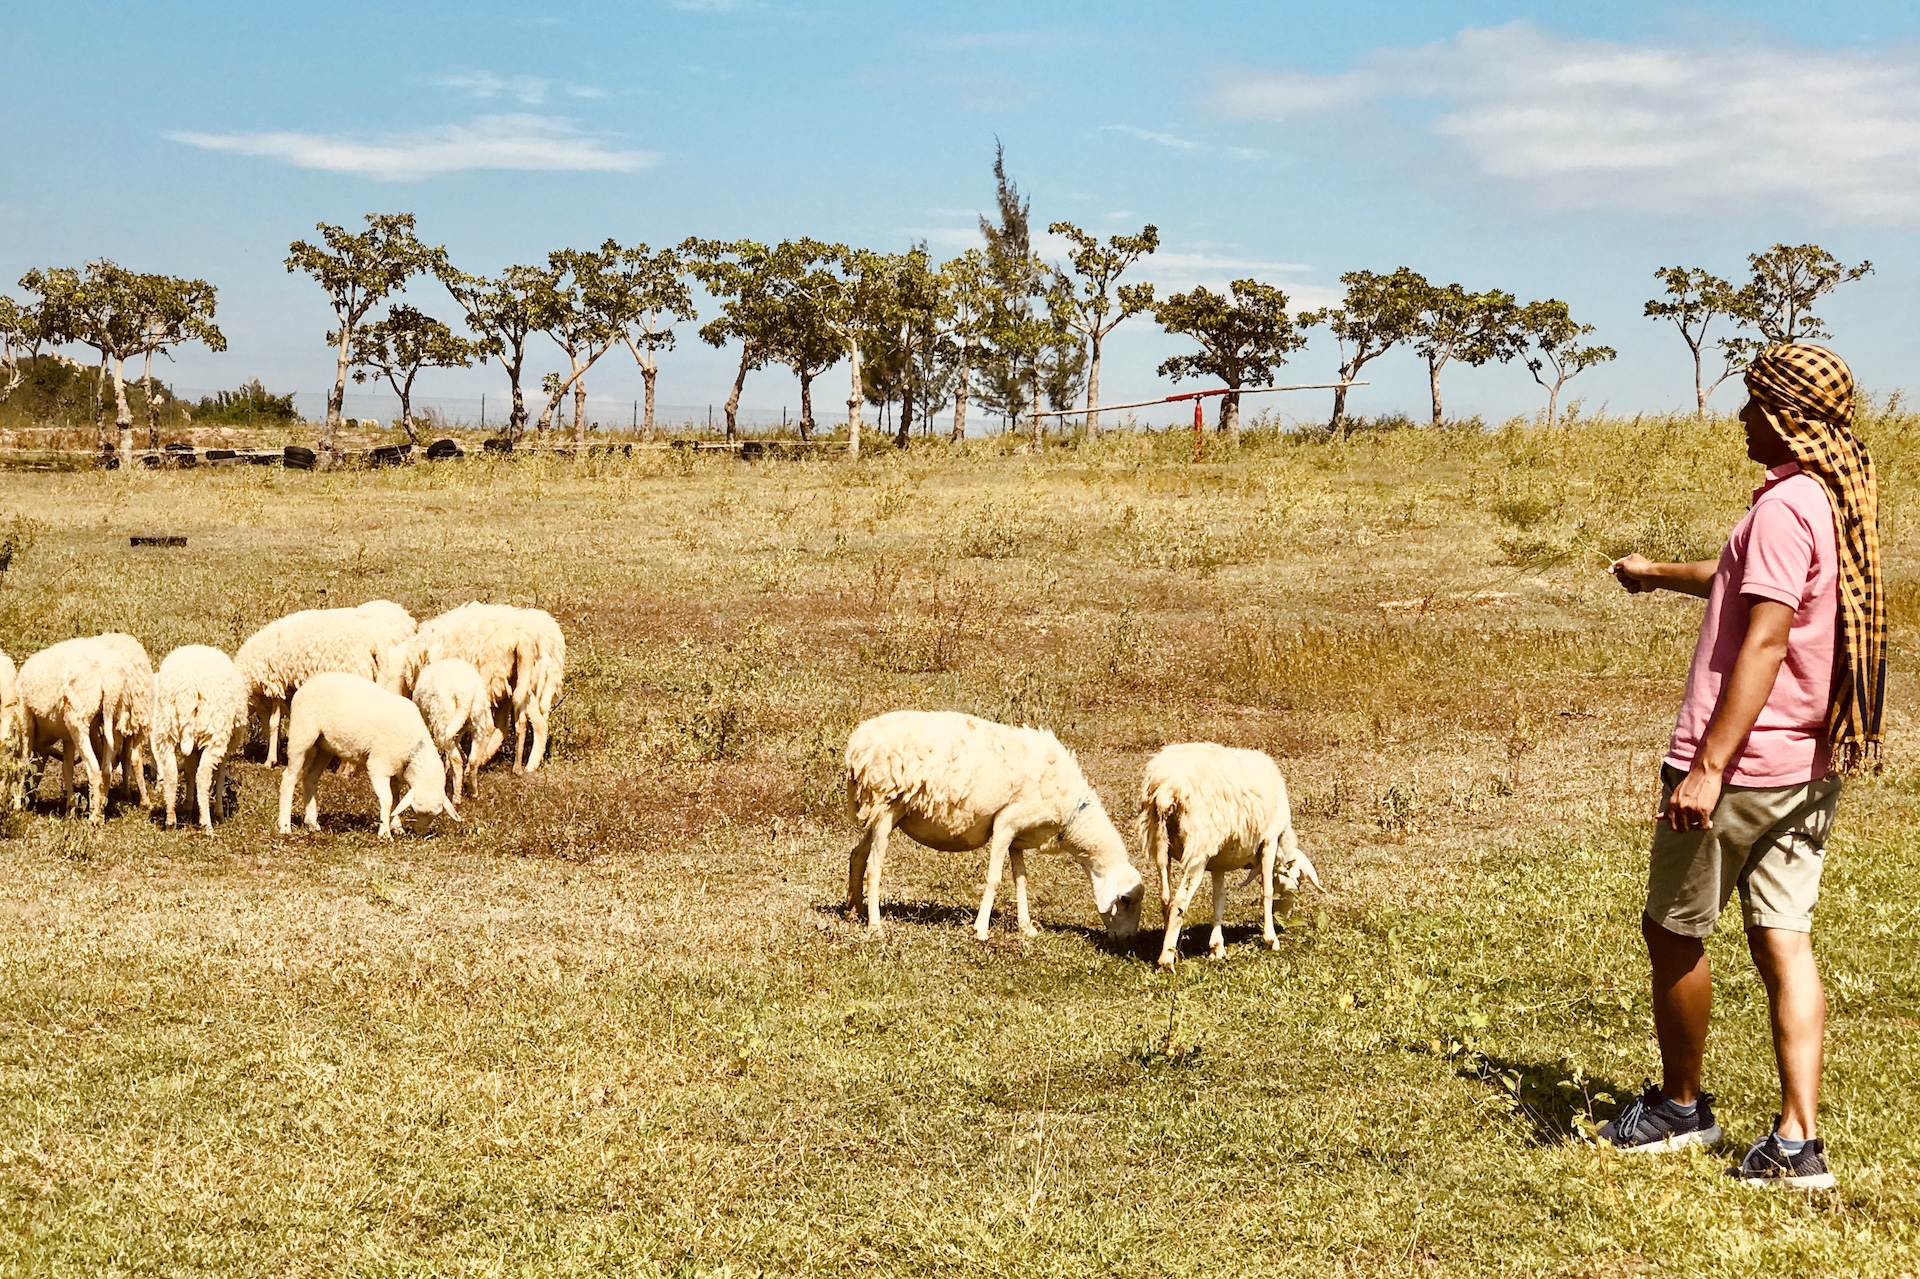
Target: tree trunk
x=1093, y=384
x=580, y=414
x=806, y=406
x=406, y=412
x=900, y=440
x=733, y=398
x=153, y=410
x=1039, y=436
x=1699, y=386
x=100, y=406
x=960, y=397
x=122, y=414
x=1553, y=402
x=855, y=398
x=1433, y=385
x=517, y=416
x=338, y=398
x=648, y=373
x=1230, y=417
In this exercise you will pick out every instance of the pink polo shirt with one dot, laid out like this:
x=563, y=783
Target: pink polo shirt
x=1783, y=550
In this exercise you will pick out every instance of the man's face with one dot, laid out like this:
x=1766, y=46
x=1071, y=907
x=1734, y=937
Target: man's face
x=1764, y=444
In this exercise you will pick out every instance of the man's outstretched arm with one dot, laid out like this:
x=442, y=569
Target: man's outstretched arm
x=1638, y=573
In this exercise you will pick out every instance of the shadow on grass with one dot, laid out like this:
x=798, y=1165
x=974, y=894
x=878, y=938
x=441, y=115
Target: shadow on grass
x=1557, y=1100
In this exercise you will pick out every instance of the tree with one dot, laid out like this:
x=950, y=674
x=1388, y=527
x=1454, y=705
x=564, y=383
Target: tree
x=1555, y=339
x=1378, y=313
x=103, y=307
x=967, y=286
x=20, y=332
x=174, y=311
x=1101, y=303
x=1018, y=335
x=1695, y=299
x=1787, y=281
x=586, y=314
x=656, y=283
x=1243, y=339
x=505, y=313
x=1473, y=328
x=745, y=276
x=800, y=335
x=358, y=272
x=902, y=326
x=407, y=340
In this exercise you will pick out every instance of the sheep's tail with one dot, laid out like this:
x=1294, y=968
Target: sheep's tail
x=1158, y=821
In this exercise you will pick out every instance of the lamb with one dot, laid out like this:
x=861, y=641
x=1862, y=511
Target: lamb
x=337, y=716
x=1212, y=809
x=282, y=655
x=127, y=712
x=200, y=712
x=82, y=695
x=453, y=700
x=956, y=783
x=519, y=652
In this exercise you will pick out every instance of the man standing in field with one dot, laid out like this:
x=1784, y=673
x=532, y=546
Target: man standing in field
x=1783, y=700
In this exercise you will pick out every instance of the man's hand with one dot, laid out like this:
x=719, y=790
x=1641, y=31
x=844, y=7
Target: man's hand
x=1631, y=572
x=1691, y=805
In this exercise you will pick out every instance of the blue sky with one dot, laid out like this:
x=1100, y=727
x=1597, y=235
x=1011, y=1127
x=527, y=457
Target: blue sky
x=1562, y=150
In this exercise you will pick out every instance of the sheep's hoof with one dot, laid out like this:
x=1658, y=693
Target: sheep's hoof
x=980, y=935
x=1167, y=960
x=1273, y=943
x=1028, y=930
x=1217, y=951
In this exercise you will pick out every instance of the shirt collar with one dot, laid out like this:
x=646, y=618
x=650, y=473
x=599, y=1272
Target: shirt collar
x=1775, y=474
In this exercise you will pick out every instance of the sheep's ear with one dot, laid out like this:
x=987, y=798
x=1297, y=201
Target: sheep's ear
x=405, y=804
x=1306, y=868
x=451, y=811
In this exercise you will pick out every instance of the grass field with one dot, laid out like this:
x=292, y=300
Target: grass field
x=615, y=1023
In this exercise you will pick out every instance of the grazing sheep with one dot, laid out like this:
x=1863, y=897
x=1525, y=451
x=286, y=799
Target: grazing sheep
x=956, y=783
x=199, y=713
x=395, y=623
x=71, y=695
x=13, y=732
x=282, y=655
x=453, y=700
x=126, y=722
x=1212, y=809
x=519, y=652
x=336, y=716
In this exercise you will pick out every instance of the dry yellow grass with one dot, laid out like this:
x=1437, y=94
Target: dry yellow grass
x=615, y=1022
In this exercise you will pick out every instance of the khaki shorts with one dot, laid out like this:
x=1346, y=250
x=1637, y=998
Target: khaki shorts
x=1766, y=841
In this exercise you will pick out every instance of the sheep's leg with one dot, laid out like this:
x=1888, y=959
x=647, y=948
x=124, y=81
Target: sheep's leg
x=876, y=860
x=1003, y=833
x=1217, y=940
x=520, y=726
x=1190, y=875
x=383, y=791
x=97, y=811
x=857, y=874
x=498, y=735
x=137, y=761
x=1020, y=891
x=1267, y=932
x=291, y=779
x=169, y=765
x=319, y=761
x=209, y=767
x=456, y=772
x=67, y=752
x=273, y=733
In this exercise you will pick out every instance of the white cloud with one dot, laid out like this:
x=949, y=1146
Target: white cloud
x=1590, y=124
x=530, y=89
x=1156, y=136
x=528, y=142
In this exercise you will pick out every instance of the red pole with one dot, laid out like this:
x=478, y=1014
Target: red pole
x=1199, y=426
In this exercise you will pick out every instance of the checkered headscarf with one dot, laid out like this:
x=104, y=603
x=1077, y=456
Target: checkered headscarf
x=1807, y=394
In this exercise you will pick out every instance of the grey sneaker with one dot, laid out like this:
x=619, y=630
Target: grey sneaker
x=1653, y=1125
x=1769, y=1165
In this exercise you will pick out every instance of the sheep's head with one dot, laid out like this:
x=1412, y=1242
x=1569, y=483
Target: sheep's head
x=1118, y=888
x=426, y=776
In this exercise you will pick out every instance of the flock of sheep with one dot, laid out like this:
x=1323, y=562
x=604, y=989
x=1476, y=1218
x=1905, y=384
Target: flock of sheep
x=369, y=688
x=366, y=687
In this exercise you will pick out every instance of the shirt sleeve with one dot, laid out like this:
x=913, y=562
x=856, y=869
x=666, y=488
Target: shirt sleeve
x=1779, y=559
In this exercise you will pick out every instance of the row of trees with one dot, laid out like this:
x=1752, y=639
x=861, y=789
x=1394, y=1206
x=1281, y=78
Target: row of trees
x=999, y=327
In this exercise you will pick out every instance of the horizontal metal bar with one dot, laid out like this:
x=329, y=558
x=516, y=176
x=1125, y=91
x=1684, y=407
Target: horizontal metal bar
x=1198, y=395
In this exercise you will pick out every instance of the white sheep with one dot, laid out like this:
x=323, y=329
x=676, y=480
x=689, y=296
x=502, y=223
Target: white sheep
x=282, y=655
x=519, y=652
x=453, y=701
x=126, y=722
x=199, y=713
x=956, y=783
x=1211, y=809
x=13, y=731
x=395, y=623
x=337, y=717
x=73, y=694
